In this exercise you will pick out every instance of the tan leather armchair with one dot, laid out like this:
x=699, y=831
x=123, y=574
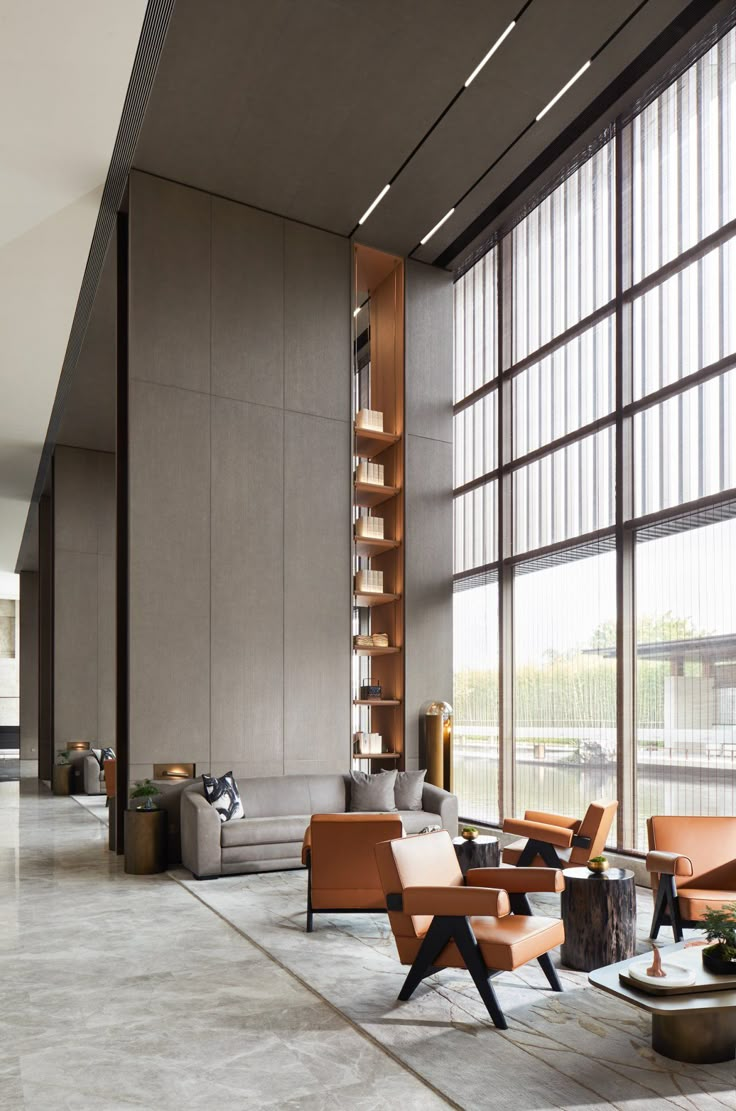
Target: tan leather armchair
x=558, y=841
x=339, y=853
x=692, y=864
x=441, y=920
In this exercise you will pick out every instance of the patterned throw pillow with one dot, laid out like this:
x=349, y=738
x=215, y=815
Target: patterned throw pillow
x=107, y=754
x=224, y=795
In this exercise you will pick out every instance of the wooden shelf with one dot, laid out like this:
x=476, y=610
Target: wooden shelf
x=369, y=443
x=378, y=756
x=374, y=599
x=390, y=651
x=376, y=702
x=367, y=546
x=368, y=494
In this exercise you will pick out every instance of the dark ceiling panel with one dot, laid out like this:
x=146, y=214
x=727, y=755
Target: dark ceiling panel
x=307, y=109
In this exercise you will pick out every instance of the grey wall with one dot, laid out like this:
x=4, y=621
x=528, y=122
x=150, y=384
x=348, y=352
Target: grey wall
x=428, y=496
x=84, y=596
x=239, y=487
x=29, y=665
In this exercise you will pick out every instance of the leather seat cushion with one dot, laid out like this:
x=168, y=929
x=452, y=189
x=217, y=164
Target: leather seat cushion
x=506, y=943
x=694, y=901
x=510, y=854
x=264, y=831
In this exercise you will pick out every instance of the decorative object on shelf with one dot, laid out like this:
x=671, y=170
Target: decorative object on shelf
x=371, y=688
x=174, y=771
x=598, y=865
x=720, y=930
x=369, y=582
x=380, y=640
x=369, y=420
x=360, y=743
x=437, y=718
x=369, y=527
x=144, y=789
x=375, y=744
x=372, y=473
x=361, y=640
x=469, y=832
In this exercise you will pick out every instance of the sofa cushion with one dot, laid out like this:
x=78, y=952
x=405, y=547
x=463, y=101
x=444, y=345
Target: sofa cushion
x=224, y=796
x=328, y=794
x=373, y=794
x=274, y=796
x=264, y=831
x=417, y=820
x=408, y=790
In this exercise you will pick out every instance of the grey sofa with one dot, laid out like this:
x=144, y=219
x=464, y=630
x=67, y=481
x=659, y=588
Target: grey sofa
x=93, y=777
x=277, y=813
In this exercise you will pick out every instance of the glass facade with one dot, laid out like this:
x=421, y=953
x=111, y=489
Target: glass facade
x=595, y=479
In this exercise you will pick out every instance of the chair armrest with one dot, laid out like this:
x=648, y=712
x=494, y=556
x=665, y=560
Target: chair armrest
x=539, y=831
x=456, y=901
x=437, y=801
x=552, y=819
x=517, y=880
x=670, y=864
x=200, y=835
x=306, y=845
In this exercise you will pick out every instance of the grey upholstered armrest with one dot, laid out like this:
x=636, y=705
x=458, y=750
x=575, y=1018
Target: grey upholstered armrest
x=437, y=801
x=200, y=835
x=91, y=773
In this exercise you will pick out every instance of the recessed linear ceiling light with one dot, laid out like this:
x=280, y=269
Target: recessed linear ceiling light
x=563, y=90
x=437, y=226
x=491, y=52
x=370, y=208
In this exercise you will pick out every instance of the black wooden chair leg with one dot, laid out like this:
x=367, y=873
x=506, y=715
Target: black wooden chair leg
x=533, y=849
x=310, y=913
x=659, y=911
x=435, y=939
x=549, y=970
x=666, y=910
x=470, y=952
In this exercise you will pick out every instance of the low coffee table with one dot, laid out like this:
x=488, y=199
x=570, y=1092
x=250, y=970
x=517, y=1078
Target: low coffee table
x=699, y=1027
x=599, y=914
x=482, y=852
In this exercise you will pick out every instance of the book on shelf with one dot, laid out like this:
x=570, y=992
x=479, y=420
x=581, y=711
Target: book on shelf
x=371, y=473
x=369, y=420
x=369, y=582
x=369, y=527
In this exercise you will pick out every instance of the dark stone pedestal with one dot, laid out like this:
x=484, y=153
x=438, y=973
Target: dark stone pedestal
x=483, y=852
x=599, y=915
x=145, y=842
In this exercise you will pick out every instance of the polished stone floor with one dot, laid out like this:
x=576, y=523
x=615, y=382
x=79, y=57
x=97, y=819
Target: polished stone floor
x=122, y=991
x=165, y=992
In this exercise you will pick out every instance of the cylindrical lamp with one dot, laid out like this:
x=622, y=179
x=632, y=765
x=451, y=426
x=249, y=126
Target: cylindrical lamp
x=438, y=743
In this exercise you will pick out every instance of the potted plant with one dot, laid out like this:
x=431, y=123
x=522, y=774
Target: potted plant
x=598, y=865
x=62, y=759
x=469, y=833
x=144, y=789
x=720, y=929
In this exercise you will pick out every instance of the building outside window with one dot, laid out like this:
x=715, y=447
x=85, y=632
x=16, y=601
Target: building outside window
x=595, y=477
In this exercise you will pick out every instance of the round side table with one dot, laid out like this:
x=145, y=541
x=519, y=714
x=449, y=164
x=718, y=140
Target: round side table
x=145, y=842
x=61, y=779
x=483, y=852
x=599, y=915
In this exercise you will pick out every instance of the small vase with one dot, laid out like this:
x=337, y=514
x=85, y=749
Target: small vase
x=469, y=834
x=597, y=867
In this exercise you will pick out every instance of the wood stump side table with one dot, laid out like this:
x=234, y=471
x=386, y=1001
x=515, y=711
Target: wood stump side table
x=61, y=779
x=599, y=915
x=482, y=852
x=145, y=842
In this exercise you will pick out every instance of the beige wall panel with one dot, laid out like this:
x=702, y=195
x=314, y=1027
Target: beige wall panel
x=169, y=575
x=429, y=330
x=76, y=499
x=75, y=647
x=317, y=318
x=169, y=283
x=247, y=304
x=247, y=587
x=317, y=599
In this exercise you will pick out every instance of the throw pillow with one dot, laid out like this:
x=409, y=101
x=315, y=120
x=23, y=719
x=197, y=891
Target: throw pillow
x=372, y=793
x=97, y=753
x=224, y=795
x=106, y=754
x=408, y=790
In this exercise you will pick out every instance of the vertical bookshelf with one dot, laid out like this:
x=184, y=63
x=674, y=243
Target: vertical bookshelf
x=378, y=385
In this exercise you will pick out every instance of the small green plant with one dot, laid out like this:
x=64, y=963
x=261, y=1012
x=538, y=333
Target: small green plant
x=470, y=829
x=144, y=789
x=62, y=758
x=720, y=929
x=598, y=859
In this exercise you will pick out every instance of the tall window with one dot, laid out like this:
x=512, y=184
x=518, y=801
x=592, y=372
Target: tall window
x=595, y=478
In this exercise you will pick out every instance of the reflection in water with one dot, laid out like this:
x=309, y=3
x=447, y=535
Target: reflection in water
x=568, y=790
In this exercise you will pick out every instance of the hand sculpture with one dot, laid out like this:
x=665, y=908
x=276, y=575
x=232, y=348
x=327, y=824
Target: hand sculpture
x=656, y=967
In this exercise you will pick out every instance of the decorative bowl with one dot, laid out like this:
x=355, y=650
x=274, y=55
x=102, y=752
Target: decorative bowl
x=715, y=964
x=597, y=867
x=469, y=833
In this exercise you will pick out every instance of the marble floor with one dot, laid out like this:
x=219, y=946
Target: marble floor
x=164, y=992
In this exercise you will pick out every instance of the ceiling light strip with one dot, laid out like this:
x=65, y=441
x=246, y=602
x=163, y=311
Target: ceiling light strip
x=437, y=227
x=491, y=52
x=377, y=201
x=563, y=90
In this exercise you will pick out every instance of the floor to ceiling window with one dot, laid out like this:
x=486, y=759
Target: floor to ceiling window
x=595, y=477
